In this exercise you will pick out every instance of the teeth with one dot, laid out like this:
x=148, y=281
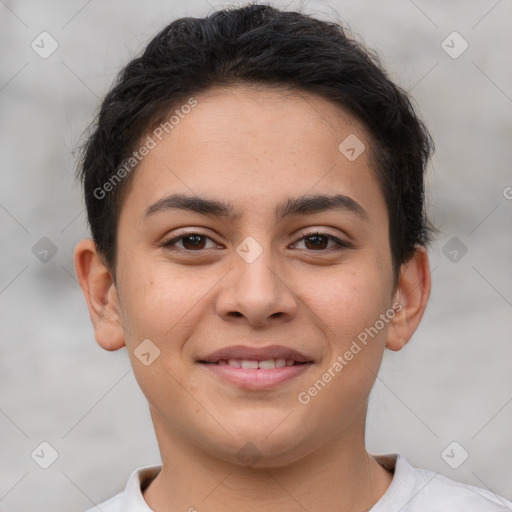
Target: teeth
x=247, y=364
x=250, y=365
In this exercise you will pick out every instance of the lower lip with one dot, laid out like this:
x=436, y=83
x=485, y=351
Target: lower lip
x=257, y=379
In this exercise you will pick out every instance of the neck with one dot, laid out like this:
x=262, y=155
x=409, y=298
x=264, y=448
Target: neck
x=339, y=476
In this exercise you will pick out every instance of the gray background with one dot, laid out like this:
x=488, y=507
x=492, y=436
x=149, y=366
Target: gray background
x=451, y=383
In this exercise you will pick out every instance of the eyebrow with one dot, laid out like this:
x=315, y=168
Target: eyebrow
x=301, y=205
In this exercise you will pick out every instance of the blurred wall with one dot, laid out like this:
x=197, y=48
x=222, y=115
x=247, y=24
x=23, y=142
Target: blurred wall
x=451, y=383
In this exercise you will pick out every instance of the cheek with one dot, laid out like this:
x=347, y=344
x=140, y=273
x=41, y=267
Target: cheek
x=349, y=299
x=153, y=300
x=156, y=305
x=348, y=304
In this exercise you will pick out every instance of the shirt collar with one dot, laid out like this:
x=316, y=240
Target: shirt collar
x=398, y=492
x=133, y=500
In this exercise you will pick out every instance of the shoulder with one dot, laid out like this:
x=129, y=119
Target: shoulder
x=433, y=491
x=111, y=505
x=131, y=499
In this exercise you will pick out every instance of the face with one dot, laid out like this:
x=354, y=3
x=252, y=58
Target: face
x=283, y=255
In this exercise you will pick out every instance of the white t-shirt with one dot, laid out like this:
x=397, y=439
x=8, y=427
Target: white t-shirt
x=411, y=490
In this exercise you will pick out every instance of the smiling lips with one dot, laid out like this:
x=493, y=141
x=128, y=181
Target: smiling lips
x=249, y=364
x=247, y=353
x=256, y=368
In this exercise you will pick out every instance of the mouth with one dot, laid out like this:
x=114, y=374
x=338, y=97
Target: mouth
x=256, y=369
x=254, y=364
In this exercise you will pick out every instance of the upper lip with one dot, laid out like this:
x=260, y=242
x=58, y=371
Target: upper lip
x=245, y=352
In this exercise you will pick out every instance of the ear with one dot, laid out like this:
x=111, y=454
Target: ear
x=411, y=297
x=100, y=293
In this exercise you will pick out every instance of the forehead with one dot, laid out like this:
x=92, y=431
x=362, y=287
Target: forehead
x=232, y=114
x=253, y=145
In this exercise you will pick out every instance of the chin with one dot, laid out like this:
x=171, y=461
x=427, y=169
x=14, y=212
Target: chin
x=261, y=448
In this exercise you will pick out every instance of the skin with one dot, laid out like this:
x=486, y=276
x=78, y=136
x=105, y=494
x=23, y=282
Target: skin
x=256, y=148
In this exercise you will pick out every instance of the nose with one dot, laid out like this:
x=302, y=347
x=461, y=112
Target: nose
x=257, y=292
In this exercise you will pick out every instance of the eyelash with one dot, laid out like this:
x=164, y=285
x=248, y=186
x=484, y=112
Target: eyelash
x=169, y=244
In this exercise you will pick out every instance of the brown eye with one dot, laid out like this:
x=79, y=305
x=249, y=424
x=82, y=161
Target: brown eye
x=316, y=242
x=320, y=242
x=191, y=242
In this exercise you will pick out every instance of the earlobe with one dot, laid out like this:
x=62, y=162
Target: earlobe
x=411, y=297
x=101, y=295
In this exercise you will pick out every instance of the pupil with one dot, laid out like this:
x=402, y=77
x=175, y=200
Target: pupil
x=317, y=238
x=196, y=243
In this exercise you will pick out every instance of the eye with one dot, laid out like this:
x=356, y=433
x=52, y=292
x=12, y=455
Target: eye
x=191, y=242
x=320, y=242
x=197, y=242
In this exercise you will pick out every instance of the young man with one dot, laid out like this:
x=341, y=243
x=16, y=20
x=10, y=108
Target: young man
x=254, y=187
